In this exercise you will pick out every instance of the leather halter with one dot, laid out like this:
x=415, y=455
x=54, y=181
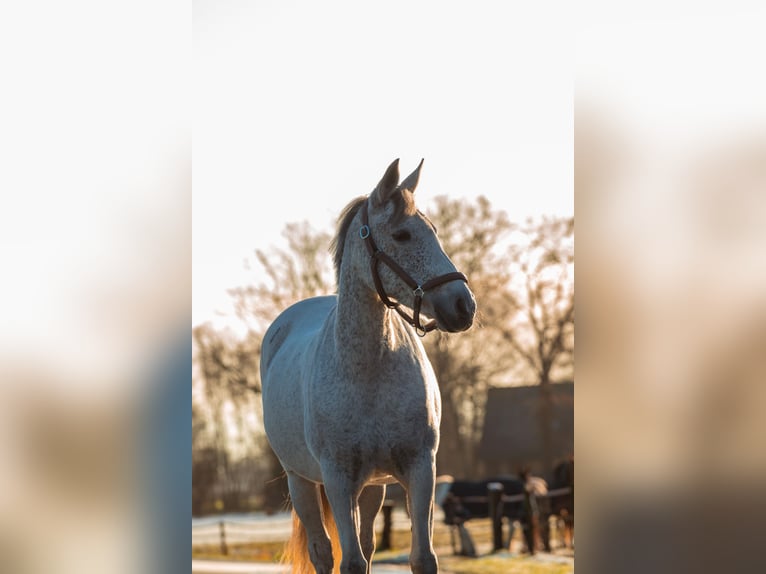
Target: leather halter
x=377, y=256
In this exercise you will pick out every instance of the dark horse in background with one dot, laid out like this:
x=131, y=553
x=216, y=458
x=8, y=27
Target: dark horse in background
x=466, y=500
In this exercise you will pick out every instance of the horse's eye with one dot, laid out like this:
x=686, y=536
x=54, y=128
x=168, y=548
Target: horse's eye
x=402, y=235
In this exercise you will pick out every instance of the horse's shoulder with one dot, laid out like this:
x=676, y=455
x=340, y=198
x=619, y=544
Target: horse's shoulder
x=299, y=321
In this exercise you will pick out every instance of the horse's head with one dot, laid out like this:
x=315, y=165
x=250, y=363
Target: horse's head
x=407, y=257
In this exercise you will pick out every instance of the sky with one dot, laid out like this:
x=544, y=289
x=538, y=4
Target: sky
x=300, y=106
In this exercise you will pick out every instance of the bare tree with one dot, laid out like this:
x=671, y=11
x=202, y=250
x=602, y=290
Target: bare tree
x=303, y=269
x=228, y=368
x=477, y=239
x=541, y=331
x=204, y=463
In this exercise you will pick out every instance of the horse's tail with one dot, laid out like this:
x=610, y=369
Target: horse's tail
x=296, y=551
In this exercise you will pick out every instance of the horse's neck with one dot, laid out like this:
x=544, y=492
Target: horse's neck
x=364, y=327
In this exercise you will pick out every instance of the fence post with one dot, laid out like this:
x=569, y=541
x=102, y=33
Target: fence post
x=222, y=529
x=495, y=497
x=385, y=538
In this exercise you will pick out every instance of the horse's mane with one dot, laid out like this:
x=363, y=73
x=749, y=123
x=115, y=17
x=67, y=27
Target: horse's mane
x=344, y=222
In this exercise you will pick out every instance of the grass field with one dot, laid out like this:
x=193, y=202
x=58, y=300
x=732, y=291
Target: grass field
x=515, y=562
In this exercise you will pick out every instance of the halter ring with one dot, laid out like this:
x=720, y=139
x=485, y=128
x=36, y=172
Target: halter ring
x=419, y=292
x=364, y=231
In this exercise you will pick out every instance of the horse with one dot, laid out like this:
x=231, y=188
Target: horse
x=468, y=499
x=350, y=400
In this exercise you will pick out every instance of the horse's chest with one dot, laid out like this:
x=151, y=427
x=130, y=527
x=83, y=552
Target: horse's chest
x=395, y=418
x=386, y=426
x=378, y=447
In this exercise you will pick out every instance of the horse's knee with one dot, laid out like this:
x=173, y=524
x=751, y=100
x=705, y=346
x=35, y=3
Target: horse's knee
x=320, y=553
x=426, y=564
x=368, y=547
x=355, y=565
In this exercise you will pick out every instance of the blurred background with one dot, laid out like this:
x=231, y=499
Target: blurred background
x=95, y=296
x=670, y=195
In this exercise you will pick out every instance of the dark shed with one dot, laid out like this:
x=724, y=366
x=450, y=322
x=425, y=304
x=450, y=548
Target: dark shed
x=513, y=428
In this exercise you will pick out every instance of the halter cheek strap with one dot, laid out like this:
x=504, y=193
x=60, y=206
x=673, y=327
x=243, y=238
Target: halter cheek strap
x=377, y=256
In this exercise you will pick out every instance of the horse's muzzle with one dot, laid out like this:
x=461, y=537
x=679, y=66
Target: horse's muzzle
x=454, y=308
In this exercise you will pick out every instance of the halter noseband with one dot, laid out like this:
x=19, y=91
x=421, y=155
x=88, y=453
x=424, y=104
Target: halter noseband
x=377, y=256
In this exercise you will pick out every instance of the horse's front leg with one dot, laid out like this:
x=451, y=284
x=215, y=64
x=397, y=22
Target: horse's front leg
x=342, y=493
x=420, y=496
x=370, y=502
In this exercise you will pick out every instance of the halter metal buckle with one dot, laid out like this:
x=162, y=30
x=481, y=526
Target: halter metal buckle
x=419, y=291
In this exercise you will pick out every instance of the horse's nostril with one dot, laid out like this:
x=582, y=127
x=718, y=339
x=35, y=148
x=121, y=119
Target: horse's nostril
x=461, y=307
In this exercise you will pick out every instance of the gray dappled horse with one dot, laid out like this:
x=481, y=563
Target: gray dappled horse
x=350, y=400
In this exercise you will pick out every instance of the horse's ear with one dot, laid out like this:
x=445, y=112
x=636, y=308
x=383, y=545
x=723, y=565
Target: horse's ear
x=411, y=181
x=387, y=184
